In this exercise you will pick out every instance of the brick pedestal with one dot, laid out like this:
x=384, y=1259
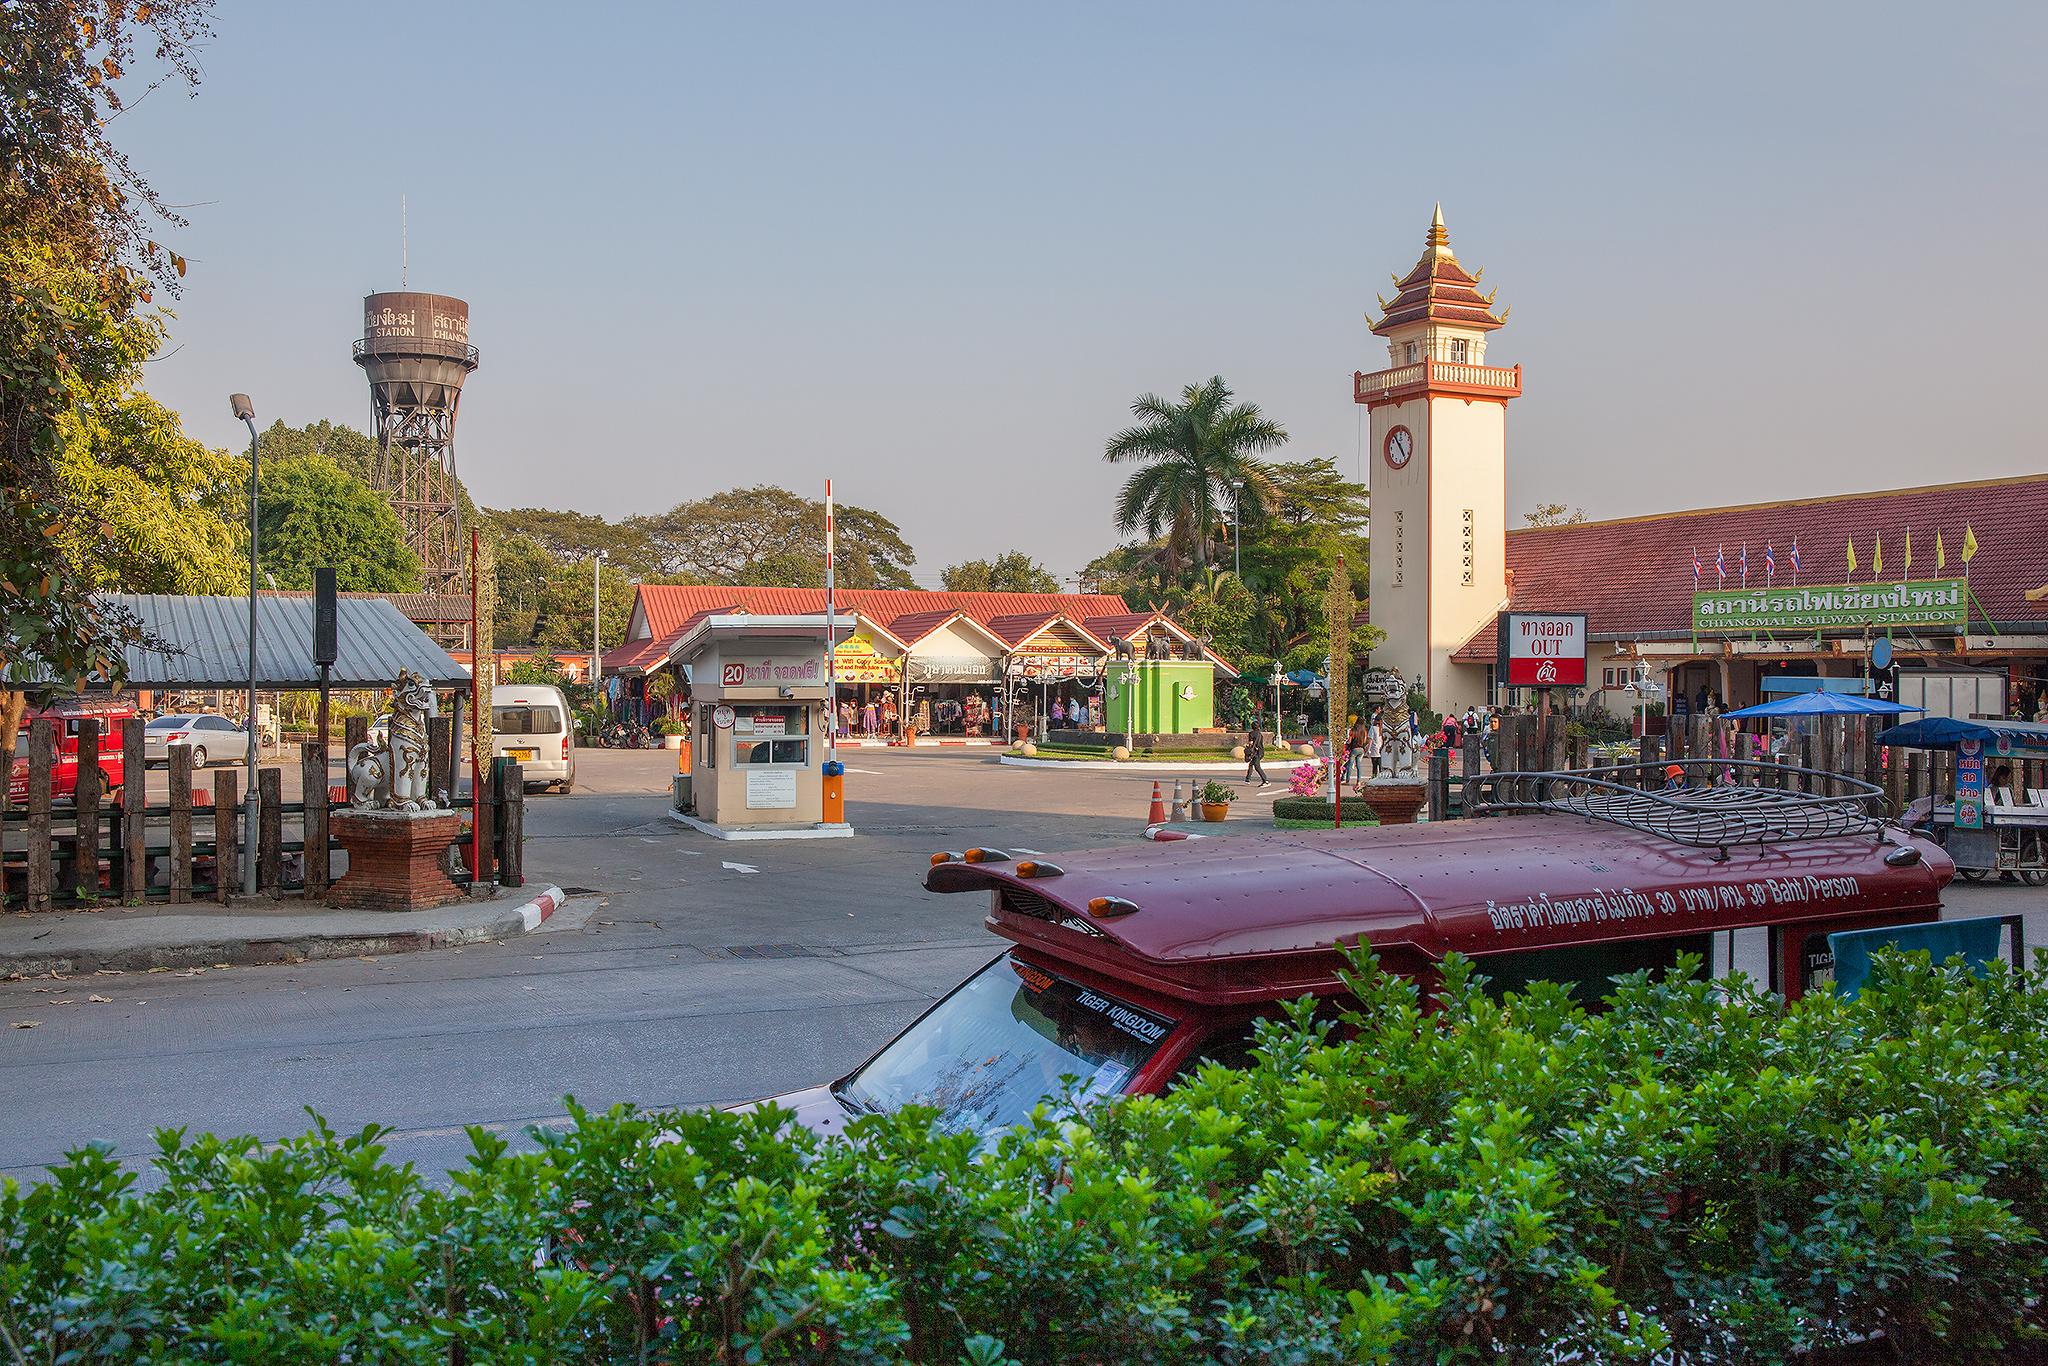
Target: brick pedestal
x=1393, y=803
x=395, y=859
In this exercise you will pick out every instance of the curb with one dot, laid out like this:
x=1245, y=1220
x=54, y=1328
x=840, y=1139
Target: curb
x=1138, y=767
x=286, y=948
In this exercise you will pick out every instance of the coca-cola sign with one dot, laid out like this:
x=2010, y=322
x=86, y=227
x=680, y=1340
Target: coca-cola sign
x=1544, y=649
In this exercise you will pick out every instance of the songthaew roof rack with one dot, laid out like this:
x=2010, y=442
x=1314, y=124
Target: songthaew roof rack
x=1724, y=803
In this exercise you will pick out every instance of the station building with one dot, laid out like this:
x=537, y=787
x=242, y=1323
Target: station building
x=1744, y=602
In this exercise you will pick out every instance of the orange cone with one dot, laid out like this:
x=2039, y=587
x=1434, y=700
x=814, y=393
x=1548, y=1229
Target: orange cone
x=1158, y=816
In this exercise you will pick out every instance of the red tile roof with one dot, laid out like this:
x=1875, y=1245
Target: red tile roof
x=1634, y=575
x=906, y=614
x=1438, y=289
x=667, y=604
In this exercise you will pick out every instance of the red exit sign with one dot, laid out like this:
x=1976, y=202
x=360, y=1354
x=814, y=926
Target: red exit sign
x=1544, y=649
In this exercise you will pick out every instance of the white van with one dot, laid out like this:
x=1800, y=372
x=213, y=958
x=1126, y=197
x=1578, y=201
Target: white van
x=531, y=725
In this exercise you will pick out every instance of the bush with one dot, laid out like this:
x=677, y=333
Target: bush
x=1700, y=1173
x=1356, y=812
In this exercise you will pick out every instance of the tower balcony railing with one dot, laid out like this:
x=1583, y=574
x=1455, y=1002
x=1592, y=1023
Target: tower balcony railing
x=416, y=346
x=1483, y=381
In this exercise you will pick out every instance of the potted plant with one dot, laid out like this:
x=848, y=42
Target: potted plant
x=671, y=732
x=1215, y=800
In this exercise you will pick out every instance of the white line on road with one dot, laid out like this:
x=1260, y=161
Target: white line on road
x=740, y=867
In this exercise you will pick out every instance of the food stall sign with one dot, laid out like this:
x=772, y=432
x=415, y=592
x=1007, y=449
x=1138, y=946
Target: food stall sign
x=1544, y=649
x=1917, y=602
x=1970, y=785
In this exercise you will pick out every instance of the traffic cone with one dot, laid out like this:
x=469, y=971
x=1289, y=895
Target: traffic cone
x=1158, y=816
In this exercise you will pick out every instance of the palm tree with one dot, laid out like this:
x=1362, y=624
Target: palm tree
x=1192, y=451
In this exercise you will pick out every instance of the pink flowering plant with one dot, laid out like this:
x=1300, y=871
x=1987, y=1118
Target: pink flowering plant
x=1307, y=780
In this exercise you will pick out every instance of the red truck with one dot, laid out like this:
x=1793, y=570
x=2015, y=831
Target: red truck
x=65, y=717
x=1129, y=965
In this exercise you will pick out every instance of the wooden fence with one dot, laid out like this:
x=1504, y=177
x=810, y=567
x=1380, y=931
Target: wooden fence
x=69, y=842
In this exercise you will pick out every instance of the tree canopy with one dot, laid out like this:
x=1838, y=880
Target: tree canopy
x=79, y=266
x=1010, y=572
x=315, y=513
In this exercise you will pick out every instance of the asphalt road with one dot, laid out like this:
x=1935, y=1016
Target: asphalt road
x=683, y=972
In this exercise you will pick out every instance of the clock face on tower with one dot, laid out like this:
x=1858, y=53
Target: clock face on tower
x=1400, y=445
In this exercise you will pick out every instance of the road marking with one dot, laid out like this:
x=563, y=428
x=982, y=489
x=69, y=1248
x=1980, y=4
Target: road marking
x=1035, y=853
x=740, y=867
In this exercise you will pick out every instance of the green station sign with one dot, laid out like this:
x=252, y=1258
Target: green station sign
x=1916, y=602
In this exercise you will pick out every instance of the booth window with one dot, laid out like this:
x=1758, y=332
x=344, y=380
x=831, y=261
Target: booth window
x=769, y=735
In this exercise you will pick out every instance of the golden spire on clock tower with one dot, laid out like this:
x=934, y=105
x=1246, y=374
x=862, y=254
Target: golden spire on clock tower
x=1438, y=290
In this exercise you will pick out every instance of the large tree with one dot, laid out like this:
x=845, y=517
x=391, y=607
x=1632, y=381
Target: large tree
x=78, y=265
x=1193, y=454
x=768, y=535
x=314, y=513
x=1010, y=572
x=573, y=537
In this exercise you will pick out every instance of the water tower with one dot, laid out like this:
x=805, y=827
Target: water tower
x=415, y=351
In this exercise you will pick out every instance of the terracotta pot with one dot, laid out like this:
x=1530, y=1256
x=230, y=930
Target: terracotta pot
x=1215, y=811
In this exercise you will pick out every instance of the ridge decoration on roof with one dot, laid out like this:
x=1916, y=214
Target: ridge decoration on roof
x=1439, y=290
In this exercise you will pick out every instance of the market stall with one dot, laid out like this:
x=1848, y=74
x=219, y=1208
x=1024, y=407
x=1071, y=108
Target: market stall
x=1995, y=822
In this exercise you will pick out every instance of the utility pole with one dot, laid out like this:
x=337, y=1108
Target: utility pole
x=596, y=631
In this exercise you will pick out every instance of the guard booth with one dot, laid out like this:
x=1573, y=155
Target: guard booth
x=758, y=732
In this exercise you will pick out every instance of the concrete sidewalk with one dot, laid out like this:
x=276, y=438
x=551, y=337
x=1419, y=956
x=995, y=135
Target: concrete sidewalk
x=162, y=936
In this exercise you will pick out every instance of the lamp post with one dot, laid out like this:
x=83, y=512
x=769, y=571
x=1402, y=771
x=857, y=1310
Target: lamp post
x=1236, y=556
x=242, y=408
x=596, y=638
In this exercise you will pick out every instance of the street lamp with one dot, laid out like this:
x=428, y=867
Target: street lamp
x=243, y=409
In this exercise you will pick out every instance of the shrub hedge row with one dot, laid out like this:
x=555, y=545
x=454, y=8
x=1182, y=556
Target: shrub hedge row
x=1356, y=811
x=1699, y=1173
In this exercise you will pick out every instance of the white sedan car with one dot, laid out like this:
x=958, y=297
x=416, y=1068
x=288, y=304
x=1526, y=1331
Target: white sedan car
x=207, y=735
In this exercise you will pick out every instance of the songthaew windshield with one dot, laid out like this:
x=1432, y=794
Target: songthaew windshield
x=1002, y=1042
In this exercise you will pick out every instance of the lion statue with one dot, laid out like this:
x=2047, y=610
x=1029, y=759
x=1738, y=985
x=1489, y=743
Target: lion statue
x=394, y=774
x=1397, y=750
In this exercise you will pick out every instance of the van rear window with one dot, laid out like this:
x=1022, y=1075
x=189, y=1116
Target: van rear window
x=526, y=720
x=1587, y=970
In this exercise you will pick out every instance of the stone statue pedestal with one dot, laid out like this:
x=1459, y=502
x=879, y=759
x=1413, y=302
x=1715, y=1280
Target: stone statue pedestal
x=1395, y=803
x=395, y=859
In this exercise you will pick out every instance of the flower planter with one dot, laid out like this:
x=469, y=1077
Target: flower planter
x=671, y=742
x=1215, y=811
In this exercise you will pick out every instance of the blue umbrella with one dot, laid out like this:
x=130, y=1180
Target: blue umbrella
x=1824, y=704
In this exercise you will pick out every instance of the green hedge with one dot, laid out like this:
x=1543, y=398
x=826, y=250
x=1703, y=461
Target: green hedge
x=1356, y=812
x=1698, y=1174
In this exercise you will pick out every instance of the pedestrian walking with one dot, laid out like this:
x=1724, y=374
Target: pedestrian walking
x=1355, y=748
x=1255, y=753
x=1375, y=745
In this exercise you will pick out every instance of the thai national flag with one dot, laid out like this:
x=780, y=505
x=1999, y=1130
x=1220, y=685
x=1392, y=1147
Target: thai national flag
x=1770, y=564
x=1696, y=567
x=1745, y=564
x=1795, y=554
x=1720, y=566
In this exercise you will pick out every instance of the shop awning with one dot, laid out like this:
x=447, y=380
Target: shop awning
x=1946, y=732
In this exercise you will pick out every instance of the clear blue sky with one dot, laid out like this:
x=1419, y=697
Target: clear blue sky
x=1753, y=250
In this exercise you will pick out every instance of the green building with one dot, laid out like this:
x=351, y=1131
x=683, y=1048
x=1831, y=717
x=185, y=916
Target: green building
x=1159, y=696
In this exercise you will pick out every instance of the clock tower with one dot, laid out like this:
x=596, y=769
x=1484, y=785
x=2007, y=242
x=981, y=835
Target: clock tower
x=1438, y=452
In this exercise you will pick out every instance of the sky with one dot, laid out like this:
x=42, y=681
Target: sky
x=933, y=251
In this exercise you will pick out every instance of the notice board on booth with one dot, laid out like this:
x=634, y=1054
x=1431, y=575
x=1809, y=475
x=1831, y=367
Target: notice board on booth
x=771, y=789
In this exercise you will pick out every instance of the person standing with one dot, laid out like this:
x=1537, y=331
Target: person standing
x=1355, y=748
x=1059, y=714
x=1255, y=753
x=1375, y=745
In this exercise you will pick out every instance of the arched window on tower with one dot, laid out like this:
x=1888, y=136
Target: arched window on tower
x=1411, y=353
x=1460, y=350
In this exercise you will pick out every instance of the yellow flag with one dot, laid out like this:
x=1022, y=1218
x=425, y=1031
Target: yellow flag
x=1877, y=558
x=1940, y=553
x=1906, y=569
x=1852, y=554
x=1969, y=543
